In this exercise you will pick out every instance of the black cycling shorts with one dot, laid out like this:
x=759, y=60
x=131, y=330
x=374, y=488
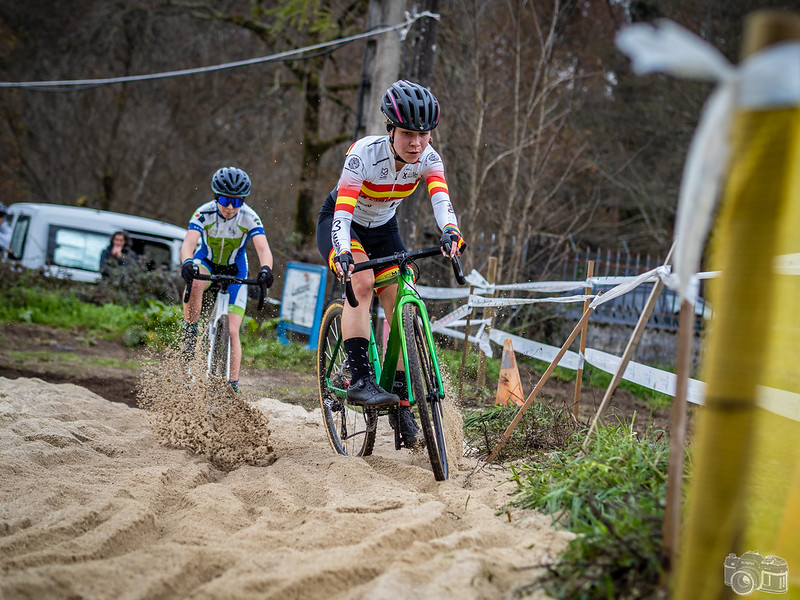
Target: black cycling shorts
x=377, y=242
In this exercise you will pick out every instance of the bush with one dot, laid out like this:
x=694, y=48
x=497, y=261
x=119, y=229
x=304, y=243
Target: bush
x=613, y=497
x=545, y=426
x=136, y=284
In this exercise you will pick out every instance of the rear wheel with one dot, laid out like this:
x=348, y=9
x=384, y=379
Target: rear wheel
x=351, y=429
x=425, y=391
x=220, y=348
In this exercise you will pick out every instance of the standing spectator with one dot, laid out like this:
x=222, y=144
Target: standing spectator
x=118, y=253
x=5, y=233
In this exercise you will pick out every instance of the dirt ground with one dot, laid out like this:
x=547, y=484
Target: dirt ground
x=61, y=356
x=105, y=500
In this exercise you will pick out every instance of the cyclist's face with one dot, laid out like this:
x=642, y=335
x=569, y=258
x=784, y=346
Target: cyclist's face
x=409, y=145
x=227, y=211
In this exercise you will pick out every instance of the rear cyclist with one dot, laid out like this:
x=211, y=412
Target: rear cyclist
x=223, y=226
x=357, y=222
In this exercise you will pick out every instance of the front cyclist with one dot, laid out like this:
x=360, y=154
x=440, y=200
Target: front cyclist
x=223, y=226
x=357, y=222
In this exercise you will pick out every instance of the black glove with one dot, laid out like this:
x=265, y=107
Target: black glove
x=345, y=259
x=265, y=276
x=189, y=270
x=451, y=235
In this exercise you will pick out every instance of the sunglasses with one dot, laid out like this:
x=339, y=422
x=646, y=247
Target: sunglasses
x=233, y=201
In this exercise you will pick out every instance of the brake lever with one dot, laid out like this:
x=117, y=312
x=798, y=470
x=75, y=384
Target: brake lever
x=348, y=291
x=262, y=295
x=458, y=270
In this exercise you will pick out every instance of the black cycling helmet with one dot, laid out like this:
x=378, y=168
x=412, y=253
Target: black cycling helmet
x=410, y=106
x=230, y=181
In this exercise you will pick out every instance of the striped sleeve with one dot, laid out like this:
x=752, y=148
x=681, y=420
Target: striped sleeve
x=348, y=190
x=437, y=188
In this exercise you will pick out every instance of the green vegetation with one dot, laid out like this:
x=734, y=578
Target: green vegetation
x=261, y=348
x=612, y=496
x=99, y=311
x=544, y=426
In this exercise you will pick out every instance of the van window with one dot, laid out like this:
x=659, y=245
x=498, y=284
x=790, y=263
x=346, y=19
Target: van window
x=152, y=253
x=19, y=236
x=75, y=248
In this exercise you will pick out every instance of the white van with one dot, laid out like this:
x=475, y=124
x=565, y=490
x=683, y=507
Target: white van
x=67, y=240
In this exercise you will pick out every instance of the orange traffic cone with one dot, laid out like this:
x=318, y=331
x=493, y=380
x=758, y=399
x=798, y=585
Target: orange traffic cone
x=509, y=385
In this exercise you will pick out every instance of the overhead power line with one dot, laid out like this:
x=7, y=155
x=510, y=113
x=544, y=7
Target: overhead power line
x=401, y=28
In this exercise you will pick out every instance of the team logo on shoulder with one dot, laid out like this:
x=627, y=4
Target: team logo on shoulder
x=384, y=173
x=433, y=158
x=353, y=163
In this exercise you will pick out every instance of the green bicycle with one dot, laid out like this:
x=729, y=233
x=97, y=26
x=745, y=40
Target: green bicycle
x=352, y=429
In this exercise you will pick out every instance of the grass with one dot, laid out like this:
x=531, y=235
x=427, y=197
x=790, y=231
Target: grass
x=613, y=497
x=544, y=427
x=29, y=297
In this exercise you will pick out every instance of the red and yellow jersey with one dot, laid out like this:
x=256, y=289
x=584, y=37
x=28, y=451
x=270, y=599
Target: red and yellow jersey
x=370, y=189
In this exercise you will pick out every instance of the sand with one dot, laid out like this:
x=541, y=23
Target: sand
x=99, y=500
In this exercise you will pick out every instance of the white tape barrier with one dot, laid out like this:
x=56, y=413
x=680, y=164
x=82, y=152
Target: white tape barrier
x=643, y=375
x=481, y=302
x=780, y=402
x=648, y=377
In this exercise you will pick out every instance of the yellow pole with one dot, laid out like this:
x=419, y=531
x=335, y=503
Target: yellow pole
x=764, y=156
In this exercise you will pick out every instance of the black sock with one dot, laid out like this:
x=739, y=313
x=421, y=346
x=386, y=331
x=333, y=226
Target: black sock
x=400, y=386
x=190, y=333
x=358, y=357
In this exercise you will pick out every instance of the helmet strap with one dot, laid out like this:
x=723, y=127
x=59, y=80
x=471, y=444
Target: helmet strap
x=397, y=157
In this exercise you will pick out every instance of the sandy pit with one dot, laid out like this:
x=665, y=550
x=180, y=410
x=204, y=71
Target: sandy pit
x=100, y=500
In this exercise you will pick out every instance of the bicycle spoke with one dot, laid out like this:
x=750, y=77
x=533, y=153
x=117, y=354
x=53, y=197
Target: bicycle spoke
x=425, y=391
x=351, y=430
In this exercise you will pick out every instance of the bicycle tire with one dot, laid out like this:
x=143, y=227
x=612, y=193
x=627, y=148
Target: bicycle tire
x=425, y=391
x=351, y=429
x=219, y=349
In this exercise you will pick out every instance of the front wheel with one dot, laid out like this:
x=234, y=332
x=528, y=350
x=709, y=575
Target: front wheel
x=351, y=429
x=425, y=391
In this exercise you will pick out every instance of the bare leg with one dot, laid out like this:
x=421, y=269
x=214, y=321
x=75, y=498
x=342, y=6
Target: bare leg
x=355, y=321
x=234, y=324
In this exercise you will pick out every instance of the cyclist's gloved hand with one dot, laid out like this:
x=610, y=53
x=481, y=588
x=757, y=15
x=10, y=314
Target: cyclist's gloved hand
x=265, y=276
x=452, y=243
x=189, y=270
x=345, y=261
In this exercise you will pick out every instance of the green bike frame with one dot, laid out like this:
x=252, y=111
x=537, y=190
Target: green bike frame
x=396, y=343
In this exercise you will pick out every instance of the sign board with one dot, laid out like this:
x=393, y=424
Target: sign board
x=302, y=301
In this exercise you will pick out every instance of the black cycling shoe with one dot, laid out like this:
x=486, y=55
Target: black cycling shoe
x=409, y=430
x=365, y=392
